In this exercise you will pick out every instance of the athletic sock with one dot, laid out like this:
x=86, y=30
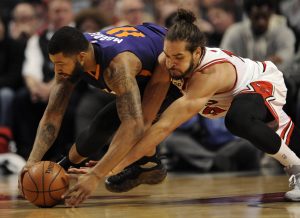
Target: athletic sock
x=286, y=156
x=66, y=163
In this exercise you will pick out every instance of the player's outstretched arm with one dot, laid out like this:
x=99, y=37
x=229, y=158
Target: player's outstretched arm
x=176, y=114
x=120, y=77
x=50, y=123
x=155, y=92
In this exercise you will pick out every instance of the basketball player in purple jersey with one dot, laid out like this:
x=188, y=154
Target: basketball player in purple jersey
x=119, y=60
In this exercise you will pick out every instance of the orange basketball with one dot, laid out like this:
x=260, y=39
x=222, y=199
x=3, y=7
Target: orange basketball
x=44, y=183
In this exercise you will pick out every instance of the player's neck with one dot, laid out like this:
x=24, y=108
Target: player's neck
x=90, y=62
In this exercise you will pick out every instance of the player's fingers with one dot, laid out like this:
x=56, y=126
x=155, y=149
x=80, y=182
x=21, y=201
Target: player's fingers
x=91, y=163
x=82, y=170
x=71, y=190
x=20, y=180
x=76, y=198
x=79, y=199
x=72, y=176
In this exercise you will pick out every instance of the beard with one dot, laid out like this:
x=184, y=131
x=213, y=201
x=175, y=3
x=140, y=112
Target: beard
x=76, y=73
x=190, y=69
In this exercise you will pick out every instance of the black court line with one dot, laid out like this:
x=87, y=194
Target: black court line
x=250, y=200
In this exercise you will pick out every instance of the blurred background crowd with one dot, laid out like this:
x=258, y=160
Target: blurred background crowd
x=256, y=29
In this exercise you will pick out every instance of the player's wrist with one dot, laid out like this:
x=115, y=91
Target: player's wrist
x=32, y=161
x=92, y=173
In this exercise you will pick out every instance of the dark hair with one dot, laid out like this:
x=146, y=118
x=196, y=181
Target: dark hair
x=184, y=29
x=170, y=20
x=249, y=4
x=67, y=40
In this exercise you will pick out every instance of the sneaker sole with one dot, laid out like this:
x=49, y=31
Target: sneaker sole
x=291, y=198
x=150, y=178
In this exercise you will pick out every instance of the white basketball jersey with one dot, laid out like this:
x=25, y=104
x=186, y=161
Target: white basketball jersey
x=247, y=71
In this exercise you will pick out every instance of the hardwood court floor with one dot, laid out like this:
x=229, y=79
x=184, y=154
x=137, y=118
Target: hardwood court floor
x=196, y=195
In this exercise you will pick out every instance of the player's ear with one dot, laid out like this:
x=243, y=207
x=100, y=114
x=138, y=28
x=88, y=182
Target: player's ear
x=81, y=57
x=197, y=53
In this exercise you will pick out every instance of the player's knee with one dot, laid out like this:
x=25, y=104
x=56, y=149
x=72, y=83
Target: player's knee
x=232, y=121
x=244, y=110
x=236, y=122
x=89, y=142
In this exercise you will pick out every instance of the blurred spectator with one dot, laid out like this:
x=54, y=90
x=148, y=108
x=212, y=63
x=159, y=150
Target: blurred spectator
x=221, y=16
x=255, y=39
x=89, y=20
x=6, y=6
x=79, y=5
x=11, y=58
x=37, y=71
x=165, y=9
x=194, y=6
x=291, y=10
x=206, y=145
x=37, y=68
x=131, y=12
x=264, y=36
x=24, y=22
x=106, y=8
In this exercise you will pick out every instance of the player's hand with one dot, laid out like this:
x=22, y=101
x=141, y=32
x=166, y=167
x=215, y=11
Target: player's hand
x=84, y=187
x=91, y=163
x=21, y=175
x=81, y=170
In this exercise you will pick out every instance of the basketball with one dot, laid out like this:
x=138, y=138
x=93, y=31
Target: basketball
x=44, y=183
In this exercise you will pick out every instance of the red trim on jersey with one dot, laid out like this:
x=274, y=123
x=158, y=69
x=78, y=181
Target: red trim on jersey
x=287, y=132
x=288, y=138
x=220, y=60
x=284, y=130
x=145, y=73
x=266, y=90
x=264, y=66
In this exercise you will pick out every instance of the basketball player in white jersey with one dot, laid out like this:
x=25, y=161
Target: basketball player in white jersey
x=217, y=83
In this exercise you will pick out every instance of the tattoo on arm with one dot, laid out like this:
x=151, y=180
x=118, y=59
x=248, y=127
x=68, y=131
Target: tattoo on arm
x=51, y=120
x=49, y=132
x=129, y=106
x=128, y=94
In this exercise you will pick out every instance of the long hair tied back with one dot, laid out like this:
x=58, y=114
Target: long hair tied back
x=184, y=29
x=185, y=15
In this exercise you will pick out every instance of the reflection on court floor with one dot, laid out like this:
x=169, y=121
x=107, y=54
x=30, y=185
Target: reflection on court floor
x=180, y=195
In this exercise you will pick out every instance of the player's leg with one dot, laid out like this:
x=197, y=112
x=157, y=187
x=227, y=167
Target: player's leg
x=249, y=117
x=147, y=170
x=294, y=170
x=94, y=137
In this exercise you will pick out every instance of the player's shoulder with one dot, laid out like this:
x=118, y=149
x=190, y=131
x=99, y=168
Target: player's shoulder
x=127, y=59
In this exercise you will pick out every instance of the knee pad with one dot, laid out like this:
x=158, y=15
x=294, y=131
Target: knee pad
x=100, y=131
x=244, y=110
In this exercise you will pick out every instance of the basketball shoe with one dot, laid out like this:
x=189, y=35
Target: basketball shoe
x=147, y=170
x=294, y=172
